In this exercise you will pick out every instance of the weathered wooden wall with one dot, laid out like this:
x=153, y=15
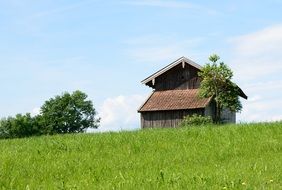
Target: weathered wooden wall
x=178, y=78
x=228, y=116
x=162, y=119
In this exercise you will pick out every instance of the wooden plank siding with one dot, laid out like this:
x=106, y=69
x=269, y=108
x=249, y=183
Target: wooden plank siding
x=178, y=78
x=160, y=119
x=228, y=116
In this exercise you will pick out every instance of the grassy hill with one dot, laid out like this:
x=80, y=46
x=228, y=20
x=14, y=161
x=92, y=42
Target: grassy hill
x=228, y=157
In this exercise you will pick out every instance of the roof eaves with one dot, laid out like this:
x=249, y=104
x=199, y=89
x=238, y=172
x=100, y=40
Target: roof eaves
x=170, y=66
x=139, y=110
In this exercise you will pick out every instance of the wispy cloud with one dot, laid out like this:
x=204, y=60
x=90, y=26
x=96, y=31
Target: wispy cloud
x=58, y=10
x=259, y=53
x=171, y=4
x=268, y=40
x=264, y=108
x=257, y=62
x=35, y=20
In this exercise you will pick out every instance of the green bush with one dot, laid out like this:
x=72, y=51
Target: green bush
x=196, y=120
x=19, y=126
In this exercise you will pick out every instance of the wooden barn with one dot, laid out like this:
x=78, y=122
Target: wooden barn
x=175, y=95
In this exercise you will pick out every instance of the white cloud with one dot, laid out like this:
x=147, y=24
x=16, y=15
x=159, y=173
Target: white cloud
x=35, y=111
x=267, y=86
x=268, y=40
x=261, y=110
x=257, y=62
x=120, y=113
x=258, y=54
x=276, y=118
x=254, y=98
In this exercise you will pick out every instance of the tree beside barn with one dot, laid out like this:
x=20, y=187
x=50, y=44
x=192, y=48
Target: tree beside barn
x=216, y=82
x=175, y=95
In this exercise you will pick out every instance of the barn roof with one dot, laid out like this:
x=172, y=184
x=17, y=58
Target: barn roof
x=174, y=100
x=181, y=60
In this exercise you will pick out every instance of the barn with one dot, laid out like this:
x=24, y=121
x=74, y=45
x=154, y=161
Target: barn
x=175, y=95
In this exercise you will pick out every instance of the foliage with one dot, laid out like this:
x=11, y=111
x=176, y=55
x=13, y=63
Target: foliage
x=193, y=158
x=196, y=120
x=68, y=113
x=19, y=126
x=216, y=82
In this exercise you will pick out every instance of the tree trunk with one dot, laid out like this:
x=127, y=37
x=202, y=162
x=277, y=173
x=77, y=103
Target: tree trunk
x=218, y=113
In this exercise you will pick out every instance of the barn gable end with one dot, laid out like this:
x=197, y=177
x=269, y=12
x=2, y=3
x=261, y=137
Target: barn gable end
x=181, y=74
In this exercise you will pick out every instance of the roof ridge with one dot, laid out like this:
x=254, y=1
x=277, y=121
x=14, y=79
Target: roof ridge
x=170, y=66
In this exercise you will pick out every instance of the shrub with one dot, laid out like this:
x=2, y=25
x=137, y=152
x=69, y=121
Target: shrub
x=18, y=126
x=196, y=120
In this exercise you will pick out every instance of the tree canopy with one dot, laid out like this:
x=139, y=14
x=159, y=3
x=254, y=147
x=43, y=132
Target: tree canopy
x=216, y=83
x=19, y=126
x=67, y=113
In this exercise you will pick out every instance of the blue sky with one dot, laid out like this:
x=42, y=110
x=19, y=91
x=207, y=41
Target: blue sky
x=105, y=48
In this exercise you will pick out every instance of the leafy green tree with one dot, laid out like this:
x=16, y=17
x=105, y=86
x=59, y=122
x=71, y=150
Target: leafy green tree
x=68, y=113
x=216, y=83
x=19, y=126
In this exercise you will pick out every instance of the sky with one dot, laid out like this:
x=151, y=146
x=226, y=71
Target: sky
x=105, y=48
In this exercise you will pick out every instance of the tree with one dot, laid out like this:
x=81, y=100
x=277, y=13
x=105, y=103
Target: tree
x=68, y=113
x=216, y=83
x=19, y=126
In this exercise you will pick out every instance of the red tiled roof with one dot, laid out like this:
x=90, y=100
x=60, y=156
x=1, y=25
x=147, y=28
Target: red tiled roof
x=174, y=100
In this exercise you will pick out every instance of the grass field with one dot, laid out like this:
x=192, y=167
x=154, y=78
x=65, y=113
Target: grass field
x=226, y=157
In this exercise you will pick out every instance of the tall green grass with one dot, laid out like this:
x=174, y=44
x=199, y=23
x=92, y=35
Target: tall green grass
x=227, y=157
